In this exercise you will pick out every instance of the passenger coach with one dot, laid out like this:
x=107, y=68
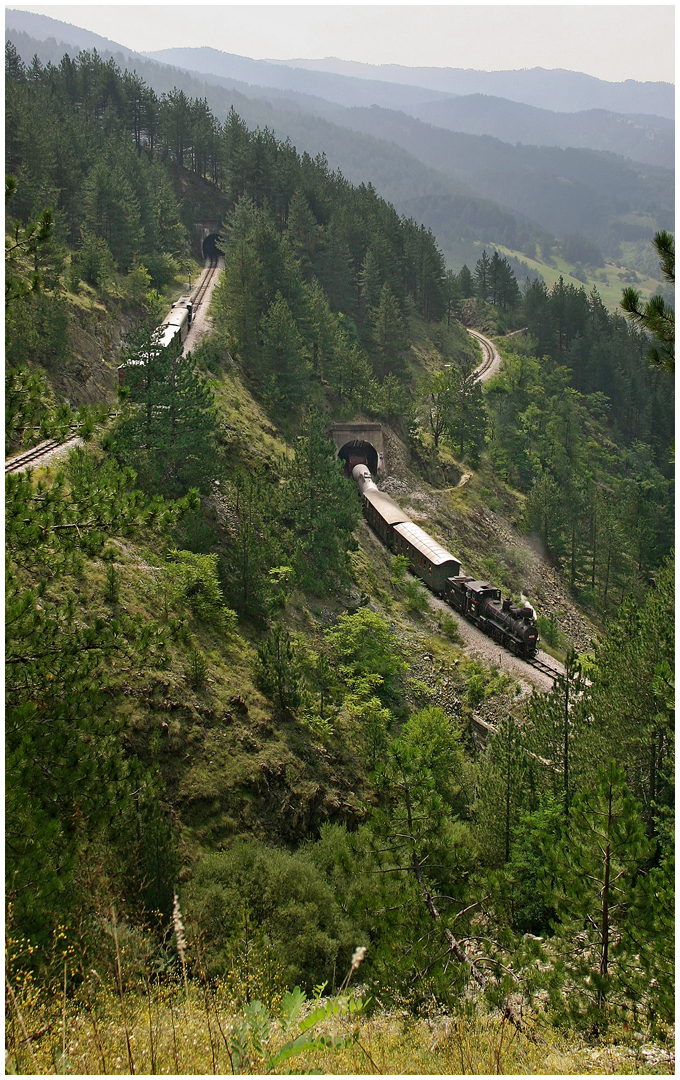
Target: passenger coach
x=428, y=559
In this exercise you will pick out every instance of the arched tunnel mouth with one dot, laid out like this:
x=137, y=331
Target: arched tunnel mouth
x=359, y=452
x=210, y=246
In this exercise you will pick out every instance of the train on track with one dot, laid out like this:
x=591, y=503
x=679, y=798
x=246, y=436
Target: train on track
x=511, y=626
x=176, y=324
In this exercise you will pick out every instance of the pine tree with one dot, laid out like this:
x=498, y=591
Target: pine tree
x=482, y=277
x=593, y=874
x=389, y=334
x=502, y=789
x=657, y=316
x=466, y=282
x=67, y=775
x=467, y=416
x=318, y=512
x=166, y=431
x=284, y=363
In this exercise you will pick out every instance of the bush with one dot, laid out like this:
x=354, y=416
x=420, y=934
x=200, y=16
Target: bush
x=449, y=627
x=262, y=899
x=549, y=631
x=195, y=582
x=415, y=597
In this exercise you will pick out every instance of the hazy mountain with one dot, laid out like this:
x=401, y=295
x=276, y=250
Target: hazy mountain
x=563, y=190
x=645, y=138
x=340, y=89
x=467, y=188
x=42, y=27
x=558, y=90
x=457, y=216
x=648, y=139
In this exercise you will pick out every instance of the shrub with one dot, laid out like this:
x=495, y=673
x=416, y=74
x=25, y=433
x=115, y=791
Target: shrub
x=277, y=901
x=194, y=580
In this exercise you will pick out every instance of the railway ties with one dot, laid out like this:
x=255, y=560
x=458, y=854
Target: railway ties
x=205, y=284
x=544, y=668
x=29, y=457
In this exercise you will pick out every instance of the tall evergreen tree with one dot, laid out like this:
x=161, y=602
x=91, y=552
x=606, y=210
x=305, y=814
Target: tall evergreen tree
x=318, y=511
x=593, y=874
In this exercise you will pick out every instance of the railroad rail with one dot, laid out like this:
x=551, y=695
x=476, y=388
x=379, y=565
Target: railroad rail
x=491, y=358
x=22, y=461
x=202, y=289
x=544, y=668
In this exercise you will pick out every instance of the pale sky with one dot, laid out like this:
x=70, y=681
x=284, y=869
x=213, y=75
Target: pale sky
x=610, y=41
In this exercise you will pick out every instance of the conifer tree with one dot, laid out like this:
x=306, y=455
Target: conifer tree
x=318, y=510
x=657, y=316
x=593, y=874
x=284, y=362
x=556, y=733
x=466, y=282
x=166, y=431
x=389, y=335
x=482, y=276
x=502, y=788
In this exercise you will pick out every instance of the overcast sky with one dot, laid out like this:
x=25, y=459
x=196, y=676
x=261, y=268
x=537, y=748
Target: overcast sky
x=613, y=42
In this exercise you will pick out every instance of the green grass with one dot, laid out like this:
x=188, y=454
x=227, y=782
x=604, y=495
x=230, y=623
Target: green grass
x=610, y=281
x=163, y=1028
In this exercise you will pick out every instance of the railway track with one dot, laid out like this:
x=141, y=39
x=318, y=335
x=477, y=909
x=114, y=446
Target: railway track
x=546, y=669
x=202, y=289
x=29, y=457
x=491, y=358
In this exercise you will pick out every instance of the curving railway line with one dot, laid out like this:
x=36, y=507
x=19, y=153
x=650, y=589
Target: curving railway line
x=491, y=361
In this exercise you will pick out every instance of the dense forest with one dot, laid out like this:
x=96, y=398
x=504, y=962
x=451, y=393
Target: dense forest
x=221, y=751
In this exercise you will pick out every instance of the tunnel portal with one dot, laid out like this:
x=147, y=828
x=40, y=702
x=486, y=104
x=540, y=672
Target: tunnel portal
x=359, y=452
x=210, y=246
x=359, y=443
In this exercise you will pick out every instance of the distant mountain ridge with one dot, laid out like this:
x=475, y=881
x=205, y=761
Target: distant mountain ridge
x=557, y=89
x=469, y=188
x=339, y=89
x=648, y=139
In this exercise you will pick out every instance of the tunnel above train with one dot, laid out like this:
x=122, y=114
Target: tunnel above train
x=359, y=443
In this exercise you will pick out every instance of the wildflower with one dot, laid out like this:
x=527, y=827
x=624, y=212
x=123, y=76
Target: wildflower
x=178, y=927
x=357, y=956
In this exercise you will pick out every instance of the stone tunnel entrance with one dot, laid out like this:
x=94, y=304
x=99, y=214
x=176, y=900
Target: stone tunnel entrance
x=358, y=444
x=206, y=234
x=358, y=453
x=210, y=246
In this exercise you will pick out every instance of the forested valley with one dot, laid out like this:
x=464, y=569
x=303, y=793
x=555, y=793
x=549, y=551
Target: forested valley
x=249, y=814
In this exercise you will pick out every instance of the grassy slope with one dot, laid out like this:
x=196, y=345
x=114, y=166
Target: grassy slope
x=231, y=772
x=609, y=281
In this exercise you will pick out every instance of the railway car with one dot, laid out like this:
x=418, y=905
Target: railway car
x=427, y=559
x=512, y=626
x=380, y=511
x=177, y=321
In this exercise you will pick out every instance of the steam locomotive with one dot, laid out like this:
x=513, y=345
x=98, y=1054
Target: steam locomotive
x=512, y=626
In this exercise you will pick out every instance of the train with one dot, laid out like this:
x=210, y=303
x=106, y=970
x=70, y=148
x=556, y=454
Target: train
x=512, y=626
x=175, y=324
